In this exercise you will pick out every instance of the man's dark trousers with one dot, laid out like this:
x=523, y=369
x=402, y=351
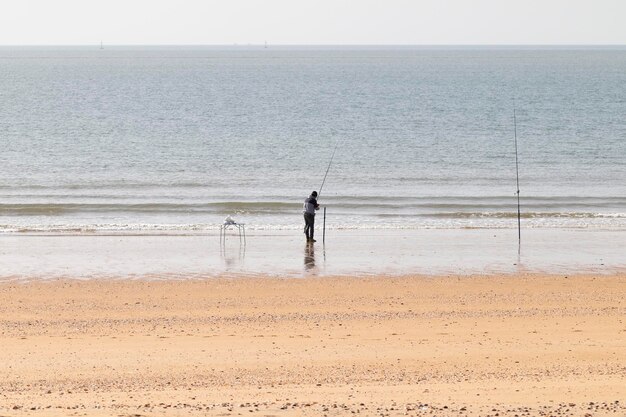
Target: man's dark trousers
x=309, y=224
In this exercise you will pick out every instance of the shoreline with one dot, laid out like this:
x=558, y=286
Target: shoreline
x=271, y=278
x=457, y=345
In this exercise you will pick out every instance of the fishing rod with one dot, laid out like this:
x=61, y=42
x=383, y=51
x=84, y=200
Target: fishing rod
x=319, y=193
x=519, y=224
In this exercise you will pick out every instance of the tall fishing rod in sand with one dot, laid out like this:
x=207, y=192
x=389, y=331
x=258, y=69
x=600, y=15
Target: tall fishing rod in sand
x=319, y=193
x=519, y=223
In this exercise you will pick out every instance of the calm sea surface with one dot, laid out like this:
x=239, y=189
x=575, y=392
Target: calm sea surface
x=176, y=139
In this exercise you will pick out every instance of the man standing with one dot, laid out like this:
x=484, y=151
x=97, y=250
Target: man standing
x=310, y=205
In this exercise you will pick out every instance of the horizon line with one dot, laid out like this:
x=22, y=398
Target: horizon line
x=324, y=44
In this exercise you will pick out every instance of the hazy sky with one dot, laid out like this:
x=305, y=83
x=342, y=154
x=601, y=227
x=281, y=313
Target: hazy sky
x=43, y=22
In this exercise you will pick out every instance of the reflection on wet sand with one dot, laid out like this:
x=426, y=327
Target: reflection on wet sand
x=309, y=256
x=233, y=257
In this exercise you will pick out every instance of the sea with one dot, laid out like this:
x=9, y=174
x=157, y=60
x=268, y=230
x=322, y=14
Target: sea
x=176, y=139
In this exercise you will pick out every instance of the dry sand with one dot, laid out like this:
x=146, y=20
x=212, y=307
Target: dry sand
x=497, y=346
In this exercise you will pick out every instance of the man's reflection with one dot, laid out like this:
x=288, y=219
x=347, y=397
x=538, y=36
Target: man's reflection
x=309, y=256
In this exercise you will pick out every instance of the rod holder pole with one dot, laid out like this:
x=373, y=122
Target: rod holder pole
x=324, y=227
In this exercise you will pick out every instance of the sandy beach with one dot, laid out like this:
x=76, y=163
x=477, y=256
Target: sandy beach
x=503, y=345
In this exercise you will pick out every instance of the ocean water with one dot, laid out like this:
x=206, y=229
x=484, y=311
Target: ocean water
x=176, y=139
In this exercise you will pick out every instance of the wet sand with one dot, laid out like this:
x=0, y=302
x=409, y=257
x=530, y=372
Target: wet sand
x=449, y=345
x=285, y=253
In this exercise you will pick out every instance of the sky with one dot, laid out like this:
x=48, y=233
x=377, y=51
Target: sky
x=307, y=22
